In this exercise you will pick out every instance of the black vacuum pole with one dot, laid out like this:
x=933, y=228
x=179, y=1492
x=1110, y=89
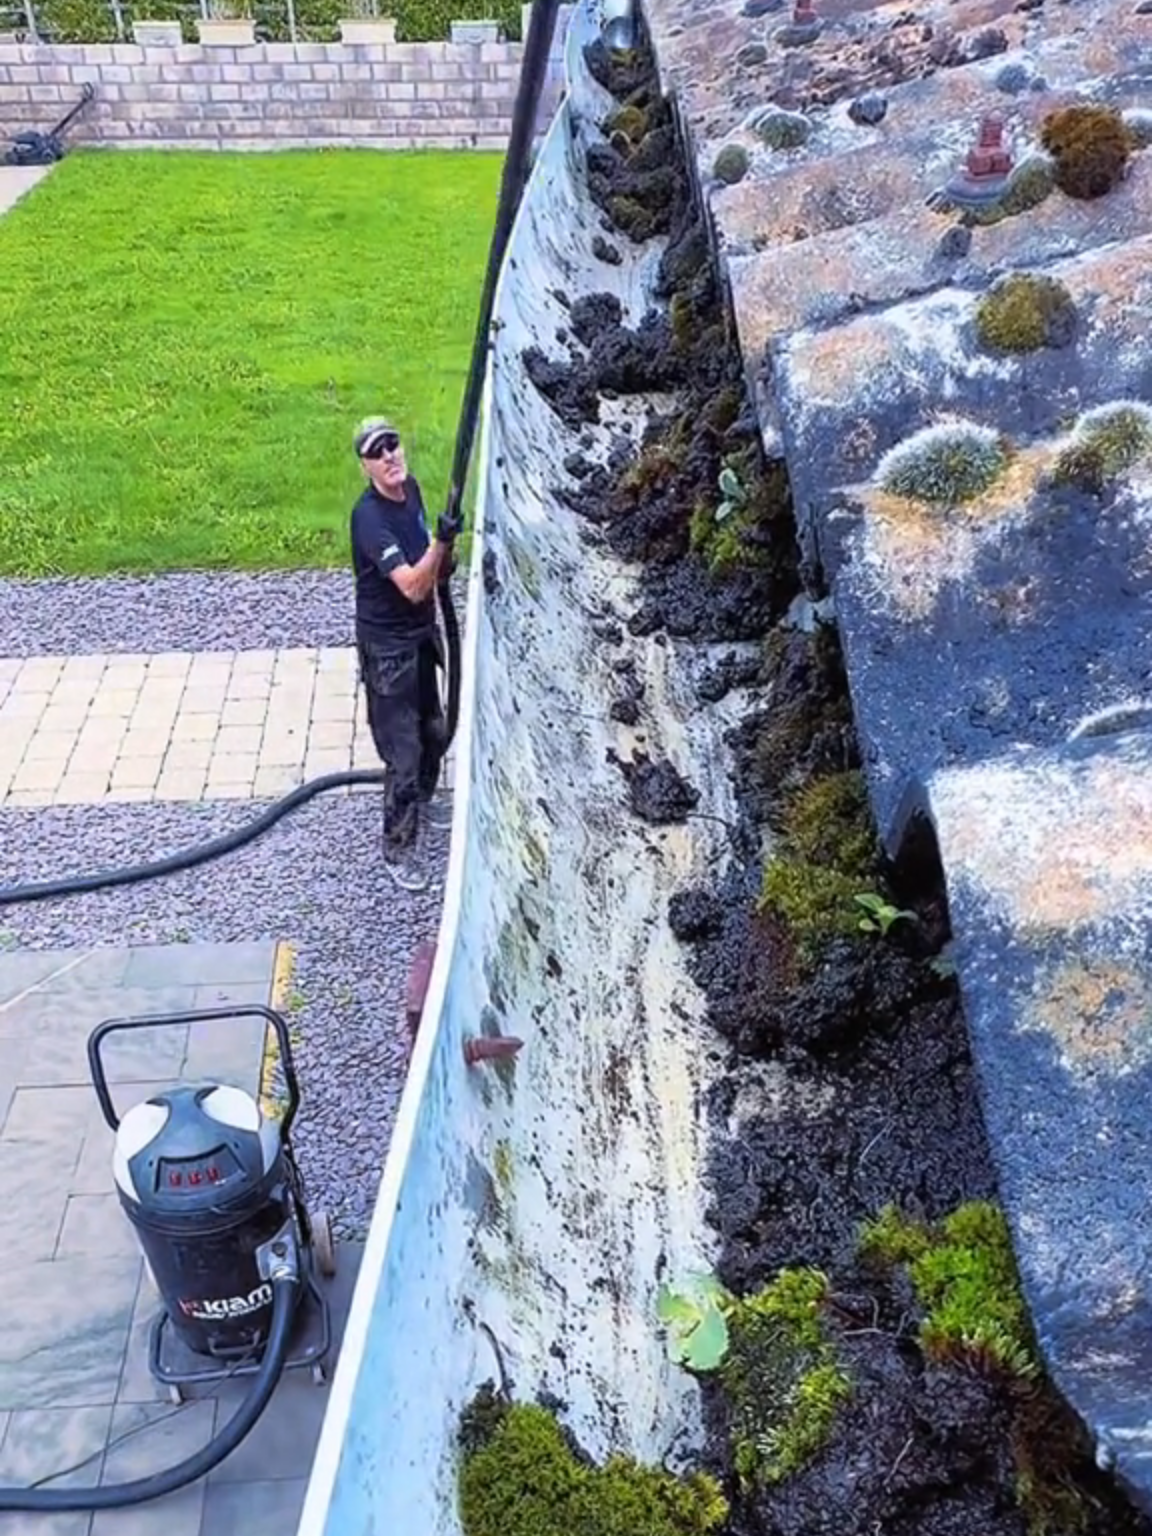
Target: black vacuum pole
x=517, y=166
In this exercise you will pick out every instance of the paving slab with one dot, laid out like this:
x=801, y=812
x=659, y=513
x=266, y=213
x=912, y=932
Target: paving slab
x=77, y=1304
x=217, y=725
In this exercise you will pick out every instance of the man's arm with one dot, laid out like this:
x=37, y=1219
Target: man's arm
x=415, y=581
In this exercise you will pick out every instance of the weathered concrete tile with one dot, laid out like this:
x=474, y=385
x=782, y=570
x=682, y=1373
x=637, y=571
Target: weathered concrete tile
x=228, y=1051
x=104, y=967
x=172, y=1436
x=65, y=1329
x=59, y=1056
x=31, y=968
x=200, y=964
x=93, y=1170
x=57, y=1116
x=38, y=1442
x=137, y=1384
x=253, y=1509
x=12, y=1053
x=95, y=1225
x=34, y=1178
x=283, y=1442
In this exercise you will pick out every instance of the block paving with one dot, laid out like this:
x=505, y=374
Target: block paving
x=83, y=730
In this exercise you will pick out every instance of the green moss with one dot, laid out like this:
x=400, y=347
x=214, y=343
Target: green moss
x=816, y=903
x=630, y=121
x=632, y=218
x=681, y=314
x=520, y=1477
x=779, y=129
x=783, y=1382
x=829, y=822
x=1030, y=183
x=1106, y=441
x=944, y=465
x=827, y=854
x=748, y=535
x=1090, y=146
x=1024, y=313
x=502, y=1165
x=723, y=408
x=731, y=164
x=964, y=1273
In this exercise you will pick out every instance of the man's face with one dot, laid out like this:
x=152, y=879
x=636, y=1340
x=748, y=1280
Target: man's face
x=385, y=464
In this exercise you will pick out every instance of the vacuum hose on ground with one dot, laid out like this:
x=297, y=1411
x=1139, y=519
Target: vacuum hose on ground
x=120, y=1495
x=517, y=165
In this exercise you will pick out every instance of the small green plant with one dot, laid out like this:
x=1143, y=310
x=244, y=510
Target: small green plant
x=520, y=1476
x=695, y=1317
x=735, y=497
x=944, y=465
x=880, y=914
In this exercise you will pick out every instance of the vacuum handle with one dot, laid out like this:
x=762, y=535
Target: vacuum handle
x=197, y=1016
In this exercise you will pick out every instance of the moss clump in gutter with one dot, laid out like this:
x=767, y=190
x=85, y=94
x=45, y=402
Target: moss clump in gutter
x=521, y=1476
x=1024, y=313
x=783, y=1382
x=744, y=534
x=964, y=1275
x=827, y=855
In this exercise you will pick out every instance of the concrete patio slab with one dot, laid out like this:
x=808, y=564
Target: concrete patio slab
x=75, y=1390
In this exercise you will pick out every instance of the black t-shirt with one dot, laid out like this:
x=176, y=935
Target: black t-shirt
x=387, y=534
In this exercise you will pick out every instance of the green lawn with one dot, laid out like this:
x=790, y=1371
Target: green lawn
x=187, y=340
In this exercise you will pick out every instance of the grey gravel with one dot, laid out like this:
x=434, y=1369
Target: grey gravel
x=186, y=611
x=316, y=880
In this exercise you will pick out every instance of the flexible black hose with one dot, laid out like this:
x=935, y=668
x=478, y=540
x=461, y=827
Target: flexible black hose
x=517, y=166
x=227, y=842
x=120, y=1495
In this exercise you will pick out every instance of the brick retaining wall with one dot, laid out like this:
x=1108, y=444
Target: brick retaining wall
x=279, y=95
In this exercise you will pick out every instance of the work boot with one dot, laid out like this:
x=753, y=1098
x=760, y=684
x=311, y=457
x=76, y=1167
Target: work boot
x=405, y=866
x=437, y=812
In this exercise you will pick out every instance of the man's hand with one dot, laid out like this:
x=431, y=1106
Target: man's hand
x=449, y=526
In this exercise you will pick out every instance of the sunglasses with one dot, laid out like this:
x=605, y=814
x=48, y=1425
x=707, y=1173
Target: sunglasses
x=387, y=442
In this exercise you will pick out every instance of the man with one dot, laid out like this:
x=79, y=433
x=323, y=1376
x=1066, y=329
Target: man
x=396, y=567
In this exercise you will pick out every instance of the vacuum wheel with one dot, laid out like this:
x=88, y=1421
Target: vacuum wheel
x=323, y=1245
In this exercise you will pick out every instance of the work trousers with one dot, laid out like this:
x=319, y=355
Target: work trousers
x=406, y=718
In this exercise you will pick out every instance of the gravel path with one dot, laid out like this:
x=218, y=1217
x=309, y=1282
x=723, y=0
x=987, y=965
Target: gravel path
x=316, y=880
x=188, y=611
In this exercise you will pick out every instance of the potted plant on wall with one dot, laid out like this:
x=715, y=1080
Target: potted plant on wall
x=364, y=25
x=228, y=21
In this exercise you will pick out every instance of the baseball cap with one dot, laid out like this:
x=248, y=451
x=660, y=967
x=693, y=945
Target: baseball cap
x=372, y=435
